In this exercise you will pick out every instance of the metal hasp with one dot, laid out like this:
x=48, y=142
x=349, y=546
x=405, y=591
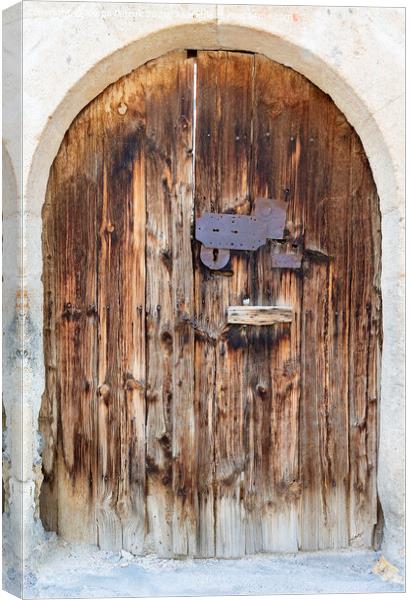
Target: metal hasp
x=286, y=260
x=220, y=233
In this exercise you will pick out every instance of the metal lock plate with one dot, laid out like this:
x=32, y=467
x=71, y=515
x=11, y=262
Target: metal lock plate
x=220, y=233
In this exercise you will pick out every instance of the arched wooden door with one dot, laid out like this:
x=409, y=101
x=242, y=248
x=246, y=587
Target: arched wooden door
x=166, y=429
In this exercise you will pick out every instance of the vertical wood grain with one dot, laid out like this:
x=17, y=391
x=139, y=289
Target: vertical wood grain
x=132, y=492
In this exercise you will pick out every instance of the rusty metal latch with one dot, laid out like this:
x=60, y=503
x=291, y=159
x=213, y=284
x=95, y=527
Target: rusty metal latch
x=220, y=233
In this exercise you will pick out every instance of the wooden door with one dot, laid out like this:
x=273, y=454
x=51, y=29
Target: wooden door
x=164, y=428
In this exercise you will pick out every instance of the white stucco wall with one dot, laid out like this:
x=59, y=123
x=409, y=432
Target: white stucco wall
x=73, y=50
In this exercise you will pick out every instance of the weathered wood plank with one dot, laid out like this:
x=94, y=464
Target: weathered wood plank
x=259, y=315
x=364, y=344
x=108, y=521
x=334, y=227
x=121, y=290
x=207, y=298
x=320, y=526
x=131, y=496
x=70, y=243
x=170, y=415
x=159, y=319
x=223, y=153
x=234, y=135
x=315, y=311
x=184, y=422
x=335, y=145
x=273, y=370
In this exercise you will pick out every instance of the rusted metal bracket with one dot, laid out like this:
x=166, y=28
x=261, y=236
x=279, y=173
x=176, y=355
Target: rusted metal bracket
x=286, y=260
x=291, y=255
x=288, y=255
x=220, y=233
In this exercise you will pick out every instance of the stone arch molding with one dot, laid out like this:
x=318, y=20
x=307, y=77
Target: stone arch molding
x=383, y=156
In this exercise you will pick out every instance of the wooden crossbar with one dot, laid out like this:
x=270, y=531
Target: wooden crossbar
x=259, y=315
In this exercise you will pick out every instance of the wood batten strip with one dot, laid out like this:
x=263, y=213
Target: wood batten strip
x=259, y=315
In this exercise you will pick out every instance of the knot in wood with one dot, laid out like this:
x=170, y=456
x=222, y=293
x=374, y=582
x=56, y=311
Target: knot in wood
x=262, y=391
x=133, y=384
x=104, y=390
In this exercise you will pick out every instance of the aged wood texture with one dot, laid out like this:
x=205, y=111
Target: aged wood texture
x=176, y=419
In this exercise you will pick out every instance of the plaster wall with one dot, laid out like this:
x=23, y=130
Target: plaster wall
x=73, y=50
